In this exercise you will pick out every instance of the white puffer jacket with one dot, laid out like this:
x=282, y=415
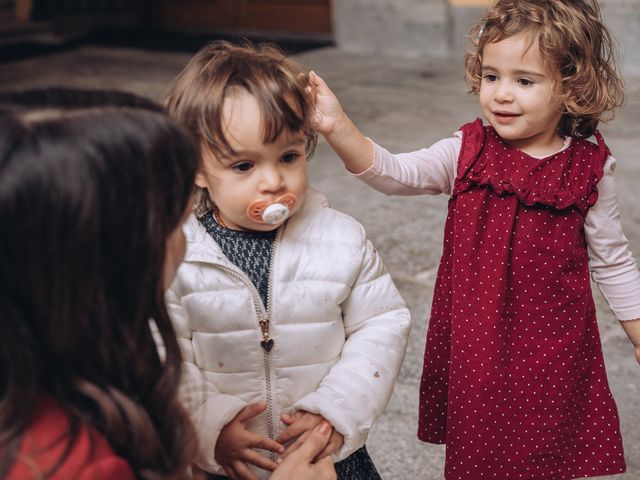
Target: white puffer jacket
x=339, y=327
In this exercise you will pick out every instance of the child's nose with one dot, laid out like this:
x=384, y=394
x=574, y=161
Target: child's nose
x=272, y=180
x=503, y=92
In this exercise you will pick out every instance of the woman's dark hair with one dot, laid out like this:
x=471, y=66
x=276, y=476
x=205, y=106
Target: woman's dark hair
x=92, y=183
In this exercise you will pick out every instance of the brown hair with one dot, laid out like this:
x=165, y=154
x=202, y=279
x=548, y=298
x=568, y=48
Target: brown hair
x=573, y=42
x=92, y=183
x=197, y=95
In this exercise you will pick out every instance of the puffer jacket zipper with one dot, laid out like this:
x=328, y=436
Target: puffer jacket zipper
x=267, y=358
x=263, y=313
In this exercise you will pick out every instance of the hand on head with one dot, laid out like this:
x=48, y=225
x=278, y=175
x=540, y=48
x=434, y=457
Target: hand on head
x=328, y=111
x=328, y=119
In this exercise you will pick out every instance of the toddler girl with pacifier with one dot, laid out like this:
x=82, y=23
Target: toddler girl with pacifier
x=286, y=315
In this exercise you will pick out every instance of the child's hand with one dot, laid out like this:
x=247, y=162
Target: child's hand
x=299, y=465
x=632, y=329
x=300, y=425
x=355, y=150
x=328, y=111
x=235, y=446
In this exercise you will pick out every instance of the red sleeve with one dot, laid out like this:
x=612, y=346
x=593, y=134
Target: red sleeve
x=46, y=440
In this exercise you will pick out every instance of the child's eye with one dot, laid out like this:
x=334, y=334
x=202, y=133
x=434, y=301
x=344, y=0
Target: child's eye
x=525, y=82
x=242, y=166
x=290, y=157
x=490, y=77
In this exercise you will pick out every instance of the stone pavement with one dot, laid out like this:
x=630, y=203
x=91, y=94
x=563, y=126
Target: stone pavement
x=403, y=104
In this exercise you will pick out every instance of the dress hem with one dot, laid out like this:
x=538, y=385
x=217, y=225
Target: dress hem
x=572, y=476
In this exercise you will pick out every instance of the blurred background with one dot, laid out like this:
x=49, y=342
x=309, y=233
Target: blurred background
x=398, y=27
x=396, y=65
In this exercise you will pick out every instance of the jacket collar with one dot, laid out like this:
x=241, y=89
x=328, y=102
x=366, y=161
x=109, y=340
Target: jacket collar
x=201, y=247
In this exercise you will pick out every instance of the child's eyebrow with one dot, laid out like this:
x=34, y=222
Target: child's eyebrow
x=226, y=160
x=233, y=156
x=294, y=142
x=530, y=73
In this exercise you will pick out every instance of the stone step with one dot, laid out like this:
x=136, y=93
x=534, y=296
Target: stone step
x=16, y=35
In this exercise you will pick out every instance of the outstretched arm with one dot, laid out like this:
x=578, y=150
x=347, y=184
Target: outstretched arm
x=429, y=170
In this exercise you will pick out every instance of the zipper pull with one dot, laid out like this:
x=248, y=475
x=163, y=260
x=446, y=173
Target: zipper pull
x=267, y=342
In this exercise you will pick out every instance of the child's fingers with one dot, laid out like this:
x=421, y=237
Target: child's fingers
x=315, y=442
x=289, y=419
x=258, y=441
x=318, y=83
x=231, y=472
x=251, y=411
x=241, y=472
x=255, y=458
x=311, y=84
x=291, y=432
x=295, y=445
x=315, y=79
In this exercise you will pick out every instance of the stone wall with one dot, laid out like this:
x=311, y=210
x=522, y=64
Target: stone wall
x=414, y=28
x=623, y=19
x=408, y=28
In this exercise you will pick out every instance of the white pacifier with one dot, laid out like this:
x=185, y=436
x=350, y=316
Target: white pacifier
x=274, y=212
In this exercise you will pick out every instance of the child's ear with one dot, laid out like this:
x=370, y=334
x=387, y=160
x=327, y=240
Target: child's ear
x=201, y=179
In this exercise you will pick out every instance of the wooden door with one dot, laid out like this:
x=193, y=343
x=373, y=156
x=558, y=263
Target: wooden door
x=267, y=15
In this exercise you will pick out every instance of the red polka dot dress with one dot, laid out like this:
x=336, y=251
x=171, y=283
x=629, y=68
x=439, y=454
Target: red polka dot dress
x=514, y=380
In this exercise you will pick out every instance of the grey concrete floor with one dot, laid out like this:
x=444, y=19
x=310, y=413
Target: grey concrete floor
x=402, y=104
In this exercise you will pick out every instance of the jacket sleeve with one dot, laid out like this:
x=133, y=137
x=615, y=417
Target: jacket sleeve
x=358, y=387
x=210, y=410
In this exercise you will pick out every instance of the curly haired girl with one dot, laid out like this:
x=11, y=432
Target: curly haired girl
x=514, y=381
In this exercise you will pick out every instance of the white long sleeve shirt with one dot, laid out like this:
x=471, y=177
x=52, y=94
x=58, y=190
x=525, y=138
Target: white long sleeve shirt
x=433, y=171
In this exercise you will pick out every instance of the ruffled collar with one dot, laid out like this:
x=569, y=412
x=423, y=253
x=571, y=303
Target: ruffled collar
x=561, y=180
